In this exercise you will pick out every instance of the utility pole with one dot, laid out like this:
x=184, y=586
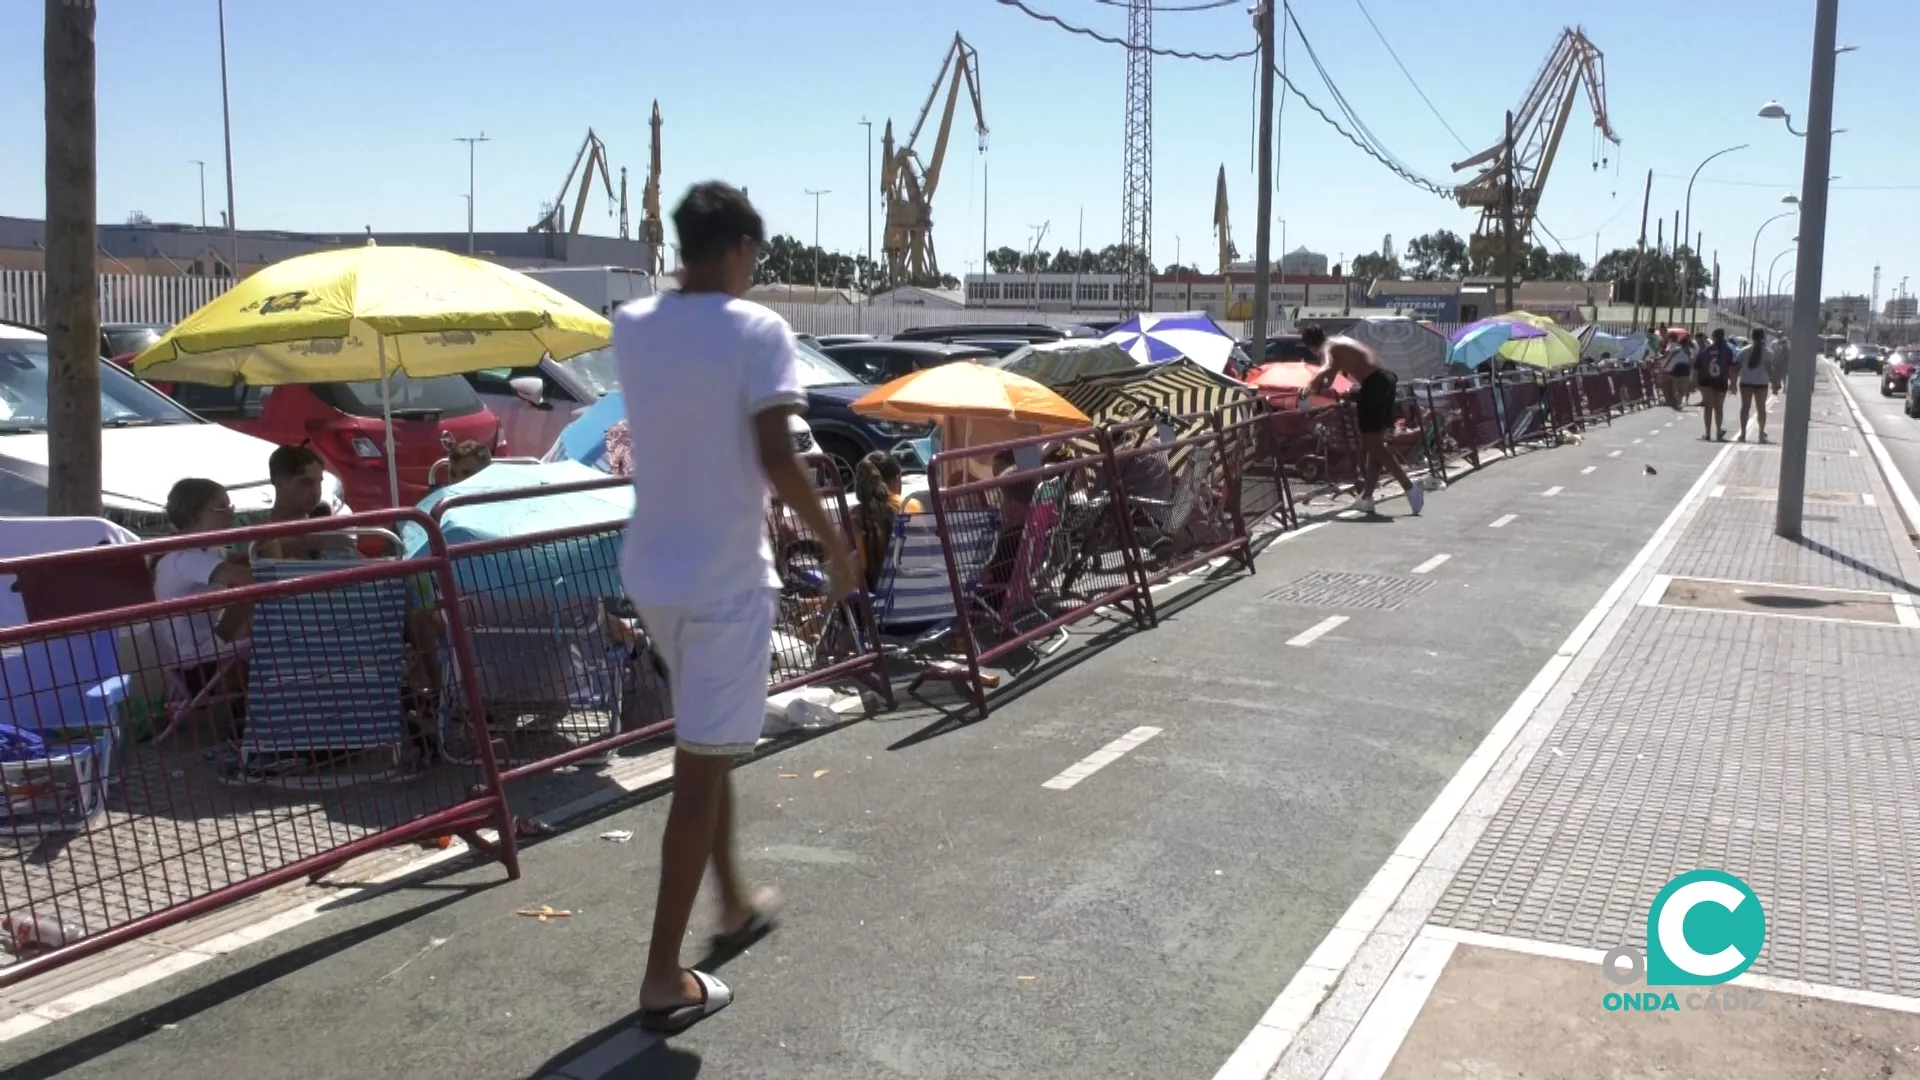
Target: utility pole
x=816, y=238
x=1506, y=212
x=72, y=313
x=226, y=124
x=1802, y=366
x=1640, y=252
x=1679, y=241
x=203, y=191
x=470, y=141
x=1263, y=230
x=868, y=124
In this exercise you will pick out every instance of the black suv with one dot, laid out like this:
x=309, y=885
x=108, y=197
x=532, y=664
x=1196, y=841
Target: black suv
x=878, y=362
x=842, y=434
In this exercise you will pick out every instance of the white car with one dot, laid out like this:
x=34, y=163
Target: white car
x=146, y=441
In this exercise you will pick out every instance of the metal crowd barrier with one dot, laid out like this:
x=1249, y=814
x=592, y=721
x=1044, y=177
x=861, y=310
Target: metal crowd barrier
x=1031, y=550
x=1190, y=514
x=168, y=758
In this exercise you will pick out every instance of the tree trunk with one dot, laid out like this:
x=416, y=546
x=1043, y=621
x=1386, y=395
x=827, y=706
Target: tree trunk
x=72, y=315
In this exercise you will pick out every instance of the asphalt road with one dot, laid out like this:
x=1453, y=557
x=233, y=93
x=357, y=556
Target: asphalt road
x=949, y=915
x=1899, y=433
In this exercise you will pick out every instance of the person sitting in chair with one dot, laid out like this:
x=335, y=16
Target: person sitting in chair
x=205, y=649
x=466, y=459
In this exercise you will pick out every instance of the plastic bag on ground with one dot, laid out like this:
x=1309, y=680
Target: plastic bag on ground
x=808, y=708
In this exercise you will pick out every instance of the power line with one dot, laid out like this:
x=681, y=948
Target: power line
x=1178, y=54
x=1367, y=141
x=1209, y=6
x=1361, y=4
x=1790, y=185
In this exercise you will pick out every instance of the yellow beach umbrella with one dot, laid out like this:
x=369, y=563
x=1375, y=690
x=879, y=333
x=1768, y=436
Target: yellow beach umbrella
x=360, y=314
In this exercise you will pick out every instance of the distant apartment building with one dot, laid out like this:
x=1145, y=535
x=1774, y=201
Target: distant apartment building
x=1847, y=308
x=1903, y=307
x=1230, y=298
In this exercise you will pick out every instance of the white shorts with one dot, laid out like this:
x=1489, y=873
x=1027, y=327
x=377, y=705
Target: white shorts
x=717, y=654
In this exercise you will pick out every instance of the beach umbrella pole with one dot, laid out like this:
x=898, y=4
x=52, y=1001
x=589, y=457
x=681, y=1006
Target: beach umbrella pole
x=386, y=416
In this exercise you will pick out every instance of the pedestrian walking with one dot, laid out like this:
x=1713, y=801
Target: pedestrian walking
x=710, y=382
x=1374, y=405
x=1676, y=367
x=1755, y=376
x=1712, y=372
x=1776, y=362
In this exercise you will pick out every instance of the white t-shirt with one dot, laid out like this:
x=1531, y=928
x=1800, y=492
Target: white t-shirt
x=188, y=639
x=1753, y=370
x=695, y=369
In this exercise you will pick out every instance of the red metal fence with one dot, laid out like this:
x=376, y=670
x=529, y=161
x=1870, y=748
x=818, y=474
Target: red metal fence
x=165, y=758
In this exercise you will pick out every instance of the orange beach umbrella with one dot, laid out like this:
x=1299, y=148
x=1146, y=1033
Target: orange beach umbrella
x=970, y=391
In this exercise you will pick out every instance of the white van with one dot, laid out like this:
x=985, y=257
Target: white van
x=147, y=443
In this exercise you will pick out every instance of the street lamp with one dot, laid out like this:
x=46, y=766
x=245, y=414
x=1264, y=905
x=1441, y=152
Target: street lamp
x=471, y=141
x=1753, y=255
x=816, y=238
x=203, y=191
x=1686, y=268
x=1815, y=171
x=868, y=124
x=1768, y=295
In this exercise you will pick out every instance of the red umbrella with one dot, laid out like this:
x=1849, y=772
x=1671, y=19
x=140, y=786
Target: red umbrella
x=1284, y=382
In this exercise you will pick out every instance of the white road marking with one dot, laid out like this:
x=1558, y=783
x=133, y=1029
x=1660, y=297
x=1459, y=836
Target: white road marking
x=1904, y=611
x=1613, y=453
x=1502, y=521
x=1656, y=590
x=1637, y=442
x=1552, y=491
x=1868, y=499
x=1896, y=480
x=1313, y=633
x=1267, y=1043
x=1431, y=565
x=1852, y=452
x=1588, y=469
x=1101, y=758
x=1386, y=1023
x=1719, y=492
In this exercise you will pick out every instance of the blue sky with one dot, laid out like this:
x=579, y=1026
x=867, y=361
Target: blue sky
x=345, y=115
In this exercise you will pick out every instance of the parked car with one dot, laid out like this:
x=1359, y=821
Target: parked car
x=877, y=362
x=839, y=339
x=147, y=442
x=1897, y=373
x=342, y=423
x=127, y=339
x=1027, y=332
x=842, y=434
x=1861, y=358
x=998, y=346
x=534, y=404
x=1913, y=397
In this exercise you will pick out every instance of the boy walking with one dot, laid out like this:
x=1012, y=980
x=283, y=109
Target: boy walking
x=709, y=381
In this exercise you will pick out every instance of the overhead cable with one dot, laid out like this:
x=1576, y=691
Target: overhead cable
x=1177, y=54
x=1411, y=81
x=1209, y=5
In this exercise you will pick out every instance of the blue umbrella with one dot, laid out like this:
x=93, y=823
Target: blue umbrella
x=1475, y=344
x=582, y=567
x=584, y=441
x=1156, y=339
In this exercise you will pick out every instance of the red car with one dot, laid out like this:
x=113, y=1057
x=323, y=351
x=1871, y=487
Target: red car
x=341, y=421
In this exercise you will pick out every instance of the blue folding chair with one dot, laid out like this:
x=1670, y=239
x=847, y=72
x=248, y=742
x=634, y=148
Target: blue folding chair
x=61, y=699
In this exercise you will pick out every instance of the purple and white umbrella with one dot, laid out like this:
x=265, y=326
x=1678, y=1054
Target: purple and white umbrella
x=1158, y=338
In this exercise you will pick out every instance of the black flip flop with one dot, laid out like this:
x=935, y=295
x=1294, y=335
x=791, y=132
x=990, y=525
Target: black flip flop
x=714, y=996
x=764, y=920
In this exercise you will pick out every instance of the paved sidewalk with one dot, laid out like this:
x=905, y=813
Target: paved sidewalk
x=1736, y=702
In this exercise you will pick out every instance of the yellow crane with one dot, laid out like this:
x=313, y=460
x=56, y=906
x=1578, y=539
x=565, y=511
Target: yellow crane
x=554, y=218
x=1538, y=124
x=1223, y=231
x=650, y=229
x=908, y=182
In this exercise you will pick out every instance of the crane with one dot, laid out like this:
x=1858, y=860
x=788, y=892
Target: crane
x=1538, y=125
x=650, y=230
x=908, y=182
x=554, y=218
x=1221, y=228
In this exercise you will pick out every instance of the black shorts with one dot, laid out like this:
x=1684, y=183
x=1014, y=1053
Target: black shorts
x=1680, y=371
x=1716, y=385
x=1374, y=404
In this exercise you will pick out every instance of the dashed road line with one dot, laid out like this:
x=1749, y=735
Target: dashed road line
x=1431, y=565
x=1100, y=758
x=1502, y=521
x=1588, y=469
x=1552, y=491
x=1637, y=442
x=1315, y=632
x=1613, y=453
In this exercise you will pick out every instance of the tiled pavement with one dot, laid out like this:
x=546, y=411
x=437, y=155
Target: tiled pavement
x=1784, y=750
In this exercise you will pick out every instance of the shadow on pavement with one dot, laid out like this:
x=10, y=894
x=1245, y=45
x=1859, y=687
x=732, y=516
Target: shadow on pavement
x=1899, y=583
x=620, y=1051
x=77, y=1054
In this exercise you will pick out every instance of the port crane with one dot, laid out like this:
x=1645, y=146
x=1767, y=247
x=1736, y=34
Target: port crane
x=1538, y=124
x=593, y=153
x=650, y=229
x=908, y=182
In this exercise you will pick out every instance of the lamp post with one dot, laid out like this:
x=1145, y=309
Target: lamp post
x=203, y=191
x=816, y=238
x=1686, y=268
x=226, y=125
x=1770, y=268
x=1753, y=253
x=868, y=124
x=1801, y=370
x=471, y=140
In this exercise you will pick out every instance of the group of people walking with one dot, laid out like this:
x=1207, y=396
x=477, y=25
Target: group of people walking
x=1717, y=369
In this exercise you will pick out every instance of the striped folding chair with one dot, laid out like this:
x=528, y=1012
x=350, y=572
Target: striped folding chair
x=914, y=594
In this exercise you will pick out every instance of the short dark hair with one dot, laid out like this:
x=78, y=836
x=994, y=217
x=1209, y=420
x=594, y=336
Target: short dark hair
x=189, y=498
x=290, y=461
x=1313, y=337
x=712, y=218
x=1719, y=334
x=467, y=448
